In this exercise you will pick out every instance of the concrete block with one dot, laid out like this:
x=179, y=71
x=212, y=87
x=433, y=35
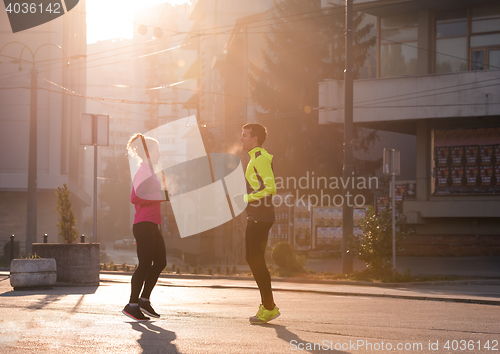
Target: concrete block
x=32, y=273
x=77, y=263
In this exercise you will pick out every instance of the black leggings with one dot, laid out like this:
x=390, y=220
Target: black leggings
x=256, y=237
x=152, y=259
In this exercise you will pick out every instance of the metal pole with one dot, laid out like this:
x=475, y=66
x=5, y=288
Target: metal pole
x=393, y=202
x=11, y=248
x=94, y=122
x=32, y=165
x=347, y=217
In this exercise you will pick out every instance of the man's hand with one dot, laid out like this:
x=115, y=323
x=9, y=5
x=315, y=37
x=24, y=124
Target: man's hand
x=239, y=201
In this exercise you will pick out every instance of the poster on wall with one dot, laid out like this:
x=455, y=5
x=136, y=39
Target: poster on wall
x=457, y=175
x=302, y=227
x=471, y=166
x=471, y=155
x=442, y=174
x=457, y=155
x=497, y=155
x=471, y=173
x=381, y=203
x=400, y=192
x=486, y=176
x=442, y=156
x=486, y=154
x=327, y=223
x=411, y=191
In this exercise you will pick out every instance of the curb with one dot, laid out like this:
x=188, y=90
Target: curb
x=482, y=281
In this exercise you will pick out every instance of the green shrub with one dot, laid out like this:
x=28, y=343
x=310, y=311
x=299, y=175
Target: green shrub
x=286, y=259
x=210, y=271
x=217, y=269
x=228, y=270
x=374, y=245
x=235, y=269
x=67, y=220
x=31, y=256
x=178, y=270
x=282, y=254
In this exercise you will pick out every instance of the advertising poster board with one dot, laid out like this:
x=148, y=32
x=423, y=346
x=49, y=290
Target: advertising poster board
x=327, y=223
x=302, y=227
x=470, y=168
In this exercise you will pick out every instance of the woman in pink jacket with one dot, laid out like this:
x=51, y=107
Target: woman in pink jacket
x=147, y=197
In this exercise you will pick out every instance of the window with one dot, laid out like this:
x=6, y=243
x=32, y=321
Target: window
x=451, y=41
x=485, y=38
x=478, y=26
x=398, y=45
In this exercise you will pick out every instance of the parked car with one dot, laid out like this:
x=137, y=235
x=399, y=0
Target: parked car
x=125, y=244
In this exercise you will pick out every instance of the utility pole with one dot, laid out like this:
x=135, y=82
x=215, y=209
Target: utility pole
x=347, y=217
x=32, y=165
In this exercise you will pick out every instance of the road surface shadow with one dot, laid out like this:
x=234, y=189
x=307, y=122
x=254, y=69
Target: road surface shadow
x=155, y=339
x=296, y=343
x=55, y=291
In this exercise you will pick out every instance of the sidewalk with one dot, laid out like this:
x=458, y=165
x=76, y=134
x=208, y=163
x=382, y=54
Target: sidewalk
x=474, y=267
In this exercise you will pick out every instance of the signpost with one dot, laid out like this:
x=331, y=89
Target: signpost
x=94, y=130
x=391, y=166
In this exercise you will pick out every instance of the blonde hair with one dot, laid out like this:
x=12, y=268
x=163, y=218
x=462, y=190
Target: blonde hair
x=136, y=148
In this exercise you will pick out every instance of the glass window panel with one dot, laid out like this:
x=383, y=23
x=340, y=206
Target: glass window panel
x=398, y=59
x=451, y=55
x=494, y=59
x=451, y=29
x=485, y=40
x=486, y=25
x=400, y=35
x=451, y=16
x=477, y=60
x=486, y=12
x=399, y=21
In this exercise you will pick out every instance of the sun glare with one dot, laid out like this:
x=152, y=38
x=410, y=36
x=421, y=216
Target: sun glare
x=109, y=19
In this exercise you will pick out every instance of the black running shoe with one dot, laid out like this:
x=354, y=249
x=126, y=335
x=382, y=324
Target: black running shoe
x=135, y=313
x=145, y=307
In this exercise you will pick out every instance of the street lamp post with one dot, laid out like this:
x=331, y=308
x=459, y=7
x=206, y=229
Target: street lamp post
x=32, y=164
x=33, y=140
x=347, y=216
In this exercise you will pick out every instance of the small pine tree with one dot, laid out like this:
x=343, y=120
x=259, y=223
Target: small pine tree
x=67, y=220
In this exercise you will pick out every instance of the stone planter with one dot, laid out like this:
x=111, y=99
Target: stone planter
x=77, y=263
x=32, y=273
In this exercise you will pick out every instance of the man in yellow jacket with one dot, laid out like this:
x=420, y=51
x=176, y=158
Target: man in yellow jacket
x=261, y=187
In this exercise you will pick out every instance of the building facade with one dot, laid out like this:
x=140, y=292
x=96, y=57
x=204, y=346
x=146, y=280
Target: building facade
x=60, y=158
x=438, y=70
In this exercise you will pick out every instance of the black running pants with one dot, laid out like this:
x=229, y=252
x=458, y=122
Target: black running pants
x=152, y=258
x=256, y=236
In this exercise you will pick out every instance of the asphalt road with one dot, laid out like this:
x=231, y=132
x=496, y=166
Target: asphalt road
x=207, y=320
